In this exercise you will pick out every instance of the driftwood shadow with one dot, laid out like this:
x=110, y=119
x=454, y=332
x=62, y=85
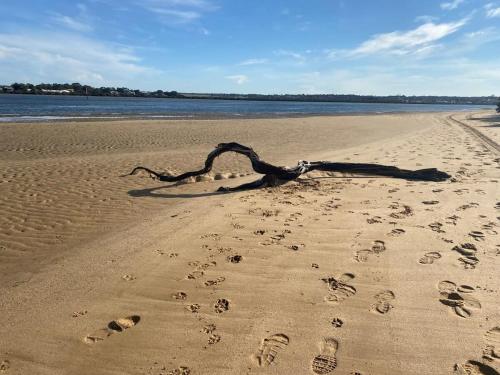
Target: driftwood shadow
x=152, y=193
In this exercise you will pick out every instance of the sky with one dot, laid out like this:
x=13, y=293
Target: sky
x=374, y=47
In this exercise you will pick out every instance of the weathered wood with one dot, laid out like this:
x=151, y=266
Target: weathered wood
x=275, y=175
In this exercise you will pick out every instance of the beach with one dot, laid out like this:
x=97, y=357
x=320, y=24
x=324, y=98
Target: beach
x=102, y=273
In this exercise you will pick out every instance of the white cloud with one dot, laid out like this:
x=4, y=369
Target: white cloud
x=202, y=4
x=286, y=53
x=426, y=19
x=180, y=16
x=62, y=57
x=71, y=23
x=451, y=5
x=239, y=79
x=401, y=43
x=178, y=11
x=447, y=77
x=253, y=62
x=493, y=12
x=472, y=41
x=6, y=52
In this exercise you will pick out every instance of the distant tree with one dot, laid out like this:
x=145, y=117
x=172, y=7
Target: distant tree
x=105, y=91
x=77, y=88
x=19, y=88
x=498, y=107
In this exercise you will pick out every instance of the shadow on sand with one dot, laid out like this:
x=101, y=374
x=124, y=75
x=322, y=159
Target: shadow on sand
x=491, y=121
x=153, y=192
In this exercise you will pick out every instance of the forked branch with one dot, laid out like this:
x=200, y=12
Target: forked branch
x=275, y=175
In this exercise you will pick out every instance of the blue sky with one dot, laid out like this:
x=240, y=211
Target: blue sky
x=448, y=47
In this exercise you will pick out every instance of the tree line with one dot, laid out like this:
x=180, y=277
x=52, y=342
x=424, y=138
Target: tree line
x=86, y=90
x=81, y=90
x=351, y=98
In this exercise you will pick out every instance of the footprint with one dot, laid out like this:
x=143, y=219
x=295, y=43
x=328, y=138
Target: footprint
x=195, y=275
x=452, y=219
x=436, y=227
x=378, y=246
x=326, y=361
x=478, y=236
x=194, y=308
x=466, y=249
x=474, y=368
x=337, y=323
x=407, y=211
x=429, y=257
x=270, y=348
x=182, y=370
x=221, y=305
x=179, y=295
x=469, y=262
x=4, y=365
x=397, y=232
x=339, y=288
x=492, y=350
x=234, y=258
x=114, y=326
x=458, y=298
x=362, y=255
x=374, y=220
x=467, y=206
x=209, y=328
x=217, y=281
x=383, y=304
x=430, y=202
x=214, y=339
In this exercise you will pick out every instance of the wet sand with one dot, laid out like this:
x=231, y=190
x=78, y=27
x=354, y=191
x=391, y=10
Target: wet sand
x=102, y=274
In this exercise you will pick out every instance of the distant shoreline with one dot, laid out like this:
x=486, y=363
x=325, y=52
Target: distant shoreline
x=303, y=98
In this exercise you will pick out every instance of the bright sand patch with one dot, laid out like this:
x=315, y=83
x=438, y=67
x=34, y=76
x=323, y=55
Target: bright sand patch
x=109, y=275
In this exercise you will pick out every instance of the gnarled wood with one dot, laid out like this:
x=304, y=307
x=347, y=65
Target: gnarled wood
x=275, y=175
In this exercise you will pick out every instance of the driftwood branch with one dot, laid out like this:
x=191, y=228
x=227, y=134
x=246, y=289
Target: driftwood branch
x=275, y=175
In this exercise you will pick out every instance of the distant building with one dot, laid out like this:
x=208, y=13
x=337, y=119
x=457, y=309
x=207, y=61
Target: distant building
x=7, y=89
x=64, y=92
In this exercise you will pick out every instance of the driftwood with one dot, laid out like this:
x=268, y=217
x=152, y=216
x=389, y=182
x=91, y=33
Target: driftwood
x=276, y=175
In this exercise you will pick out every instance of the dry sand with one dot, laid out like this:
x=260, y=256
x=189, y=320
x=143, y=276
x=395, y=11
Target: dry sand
x=102, y=274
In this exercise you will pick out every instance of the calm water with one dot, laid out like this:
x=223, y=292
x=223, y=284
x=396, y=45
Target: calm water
x=43, y=108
